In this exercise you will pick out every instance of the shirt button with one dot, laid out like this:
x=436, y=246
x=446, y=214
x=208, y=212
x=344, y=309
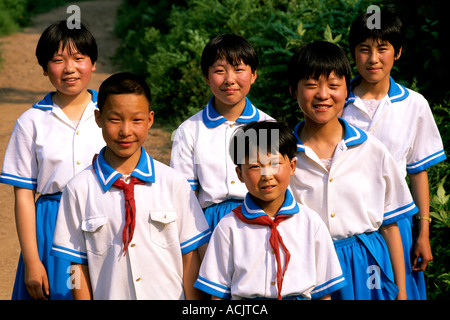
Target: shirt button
x=78, y=132
x=232, y=125
x=331, y=179
x=273, y=283
x=333, y=214
x=232, y=182
x=78, y=162
x=132, y=245
x=138, y=279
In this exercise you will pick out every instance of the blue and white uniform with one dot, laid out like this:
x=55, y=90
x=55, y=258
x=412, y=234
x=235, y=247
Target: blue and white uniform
x=44, y=152
x=362, y=191
x=240, y=262
x=200, y=151
x=404, y=123
x=169, y=224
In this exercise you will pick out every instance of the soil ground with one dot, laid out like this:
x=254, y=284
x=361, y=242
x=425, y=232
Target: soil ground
x=22, y=83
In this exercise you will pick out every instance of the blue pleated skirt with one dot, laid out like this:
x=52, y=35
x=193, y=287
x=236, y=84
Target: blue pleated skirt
x=367, y=268
x=415, y=281
x=57, y=269
x=214, y=213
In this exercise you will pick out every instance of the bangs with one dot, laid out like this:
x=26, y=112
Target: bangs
x=316, y=59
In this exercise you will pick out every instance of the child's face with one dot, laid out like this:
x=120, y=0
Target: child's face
x=322, y=100
x=374, y=60
x=267, y=179
x=125, y=120
x=70, y=73
x=230, y=84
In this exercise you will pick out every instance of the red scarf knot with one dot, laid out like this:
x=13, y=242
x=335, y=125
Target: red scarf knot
x=130, y=209
x=274, y=240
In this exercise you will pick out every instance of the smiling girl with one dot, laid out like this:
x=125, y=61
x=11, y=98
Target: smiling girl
x=51, y=143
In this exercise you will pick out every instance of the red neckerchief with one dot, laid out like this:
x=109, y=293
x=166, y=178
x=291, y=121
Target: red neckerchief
x=130, y=207
x=274, y=240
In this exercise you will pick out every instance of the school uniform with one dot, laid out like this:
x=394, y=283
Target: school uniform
x=240, y=262
x=362, y=191
x=168, y=224
x=44, y=152
x=200, y=151
x=404, y=123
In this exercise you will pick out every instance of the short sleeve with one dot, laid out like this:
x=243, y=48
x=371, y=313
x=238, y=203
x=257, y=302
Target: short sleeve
x=193, y=228
x=182, y=157
x=217, y=267
x=20, y=167
x=427, y=148
x=399, y=203
x=329, y=276
x=68, y=241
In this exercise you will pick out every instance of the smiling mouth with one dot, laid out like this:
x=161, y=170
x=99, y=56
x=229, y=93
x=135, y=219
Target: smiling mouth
x=321, y=107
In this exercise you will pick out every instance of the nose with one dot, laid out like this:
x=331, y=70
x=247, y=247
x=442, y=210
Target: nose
x=373, y=56
x=70, y=66
x=125, y=129
x=322, y=92
x=230, y=77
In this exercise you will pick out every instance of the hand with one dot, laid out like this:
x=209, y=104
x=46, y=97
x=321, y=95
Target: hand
x=422, y=250
x=36, y=281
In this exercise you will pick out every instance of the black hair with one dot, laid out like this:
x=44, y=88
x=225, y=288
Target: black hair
x=123, y=83
x=315, y=59
x=391, y=30
x=59, y=35
x=276, y=136
x=233, y=48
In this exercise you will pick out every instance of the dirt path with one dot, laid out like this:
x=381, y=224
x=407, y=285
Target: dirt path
x=22, y=84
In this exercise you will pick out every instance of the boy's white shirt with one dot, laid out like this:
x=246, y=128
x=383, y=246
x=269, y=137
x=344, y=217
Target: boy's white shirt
x=169, y=223
x=404, y=123
x=200, y=151
x=45, y=150
x=240, y=262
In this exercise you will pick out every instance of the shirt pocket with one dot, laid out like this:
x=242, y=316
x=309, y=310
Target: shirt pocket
x=163, y=228
x=98, y=235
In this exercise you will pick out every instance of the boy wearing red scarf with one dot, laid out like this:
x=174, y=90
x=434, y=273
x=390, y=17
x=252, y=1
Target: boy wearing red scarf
x=270, y=247
x=130, y=225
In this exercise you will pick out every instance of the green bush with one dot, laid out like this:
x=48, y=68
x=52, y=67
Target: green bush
x=12, y=15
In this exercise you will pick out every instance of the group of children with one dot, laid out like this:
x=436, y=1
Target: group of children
x=247, y=209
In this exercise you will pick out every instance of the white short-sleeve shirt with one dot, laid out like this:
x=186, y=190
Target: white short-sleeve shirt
x=200, y=151
x=404, y=123
x=240, y=262
x=169, y=223
x=46, y=150
x=363, y=189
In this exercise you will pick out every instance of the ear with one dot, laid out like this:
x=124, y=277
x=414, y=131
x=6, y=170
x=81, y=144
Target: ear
x=239, y=173
x=293, y=165
x=94, y=67
x=398, y=54
x=98, y=118
x=151, y=118
x=254, y=76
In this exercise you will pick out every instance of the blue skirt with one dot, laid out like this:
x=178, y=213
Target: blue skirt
x=58, y=270
x=214, y=213
x=367, y=268
x=415, y=280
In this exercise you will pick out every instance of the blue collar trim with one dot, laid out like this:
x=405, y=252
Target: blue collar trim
x=396, y=92
x=212, y=118
x=106, y=175
x=47, y=102
x=251, y=210
x=352, y=135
